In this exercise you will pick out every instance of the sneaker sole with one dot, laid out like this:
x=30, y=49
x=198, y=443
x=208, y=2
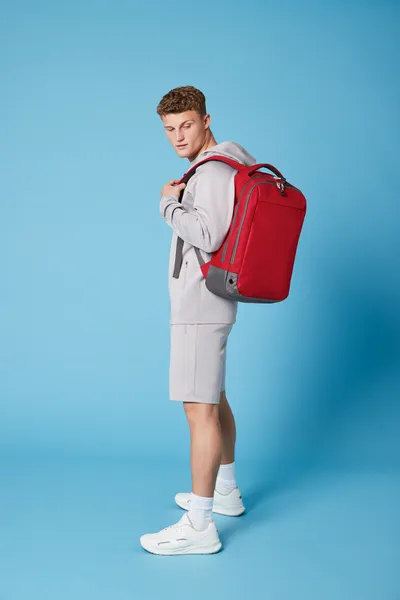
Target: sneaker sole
x=229, y=512
x=195, y=550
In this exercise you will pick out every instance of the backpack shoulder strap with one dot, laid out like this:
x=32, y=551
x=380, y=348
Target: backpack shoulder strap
x=185, y=178
x=228, y=161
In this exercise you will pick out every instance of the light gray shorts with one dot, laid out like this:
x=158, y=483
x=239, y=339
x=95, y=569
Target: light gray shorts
x=198, y=362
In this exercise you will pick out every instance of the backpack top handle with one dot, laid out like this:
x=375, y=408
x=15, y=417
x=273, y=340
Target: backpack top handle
x=255, y=168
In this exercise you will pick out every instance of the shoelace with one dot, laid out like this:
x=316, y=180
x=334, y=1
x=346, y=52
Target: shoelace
x=175, y=526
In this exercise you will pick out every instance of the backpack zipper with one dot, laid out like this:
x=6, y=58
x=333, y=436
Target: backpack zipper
x=244, y=214
x=235, y=215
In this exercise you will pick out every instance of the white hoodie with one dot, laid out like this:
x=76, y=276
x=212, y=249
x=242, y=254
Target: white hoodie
x=202, y=220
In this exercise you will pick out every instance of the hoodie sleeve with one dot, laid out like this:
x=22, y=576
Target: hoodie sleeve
x=213, y=193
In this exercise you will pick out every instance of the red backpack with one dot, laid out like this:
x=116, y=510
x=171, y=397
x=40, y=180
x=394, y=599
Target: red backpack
x=255, y=261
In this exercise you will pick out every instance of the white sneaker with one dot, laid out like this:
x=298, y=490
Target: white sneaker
x=224, y=504
x=183, y=538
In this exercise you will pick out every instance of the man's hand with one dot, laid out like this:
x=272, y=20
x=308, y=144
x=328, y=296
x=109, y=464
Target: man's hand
x=171, y=188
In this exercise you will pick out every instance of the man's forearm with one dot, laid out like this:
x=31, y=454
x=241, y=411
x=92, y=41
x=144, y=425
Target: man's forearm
x=191, y=227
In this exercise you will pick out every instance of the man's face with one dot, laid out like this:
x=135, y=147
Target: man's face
x=187, y=132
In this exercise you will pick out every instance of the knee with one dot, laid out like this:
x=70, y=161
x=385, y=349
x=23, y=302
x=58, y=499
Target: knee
x=198, y=413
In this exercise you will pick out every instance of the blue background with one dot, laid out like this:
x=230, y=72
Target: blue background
x=92, y=450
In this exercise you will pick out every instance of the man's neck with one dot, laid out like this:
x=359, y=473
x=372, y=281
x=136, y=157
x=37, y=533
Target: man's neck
x=209, y=143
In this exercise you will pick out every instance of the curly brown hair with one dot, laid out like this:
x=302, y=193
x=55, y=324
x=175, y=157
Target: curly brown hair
x=181, y=99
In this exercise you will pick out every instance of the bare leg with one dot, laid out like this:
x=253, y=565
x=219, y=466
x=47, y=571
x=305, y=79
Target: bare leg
x=228, y=430
x=213, y=438
x=206, y=446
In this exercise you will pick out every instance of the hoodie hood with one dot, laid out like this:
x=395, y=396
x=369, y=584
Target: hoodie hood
x=228, y=149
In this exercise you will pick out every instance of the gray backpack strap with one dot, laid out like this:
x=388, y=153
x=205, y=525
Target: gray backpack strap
x=199, y=256
x=178, y=258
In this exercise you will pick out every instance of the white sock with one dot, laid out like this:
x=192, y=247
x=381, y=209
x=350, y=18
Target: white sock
x=226, y=480
x=200, y=511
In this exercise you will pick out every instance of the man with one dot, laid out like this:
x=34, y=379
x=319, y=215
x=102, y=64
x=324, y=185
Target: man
x=200, y=324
